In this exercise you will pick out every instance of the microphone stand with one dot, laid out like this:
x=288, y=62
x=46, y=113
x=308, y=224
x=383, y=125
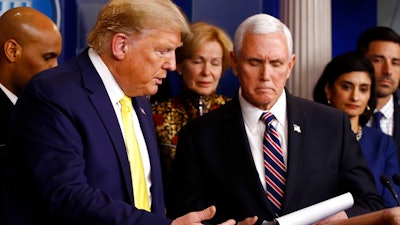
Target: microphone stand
x=386, y=182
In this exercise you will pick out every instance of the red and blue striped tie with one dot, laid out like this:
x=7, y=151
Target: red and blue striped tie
x=275, y=169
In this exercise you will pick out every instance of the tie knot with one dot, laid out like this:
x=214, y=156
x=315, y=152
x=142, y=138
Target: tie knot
x=378, y=116
x=126, y=103
x=267, y=117
x=126, y=100
x=376, y=122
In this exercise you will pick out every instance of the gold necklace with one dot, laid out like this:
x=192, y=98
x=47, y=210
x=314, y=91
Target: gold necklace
x=359, y=133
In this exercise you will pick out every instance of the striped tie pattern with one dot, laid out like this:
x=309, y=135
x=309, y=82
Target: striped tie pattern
x=275, y=169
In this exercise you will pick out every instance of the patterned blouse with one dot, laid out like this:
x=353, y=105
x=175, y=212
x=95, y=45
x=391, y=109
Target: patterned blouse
x=170, y=116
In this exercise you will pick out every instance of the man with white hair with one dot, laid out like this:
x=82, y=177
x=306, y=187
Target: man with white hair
x=267, y=153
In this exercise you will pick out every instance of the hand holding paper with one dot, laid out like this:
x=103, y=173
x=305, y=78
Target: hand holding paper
x=316, y=212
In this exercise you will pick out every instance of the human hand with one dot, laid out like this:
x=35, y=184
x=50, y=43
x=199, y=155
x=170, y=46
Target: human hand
x=195, y=218
x=248, y=221
x=338, y=216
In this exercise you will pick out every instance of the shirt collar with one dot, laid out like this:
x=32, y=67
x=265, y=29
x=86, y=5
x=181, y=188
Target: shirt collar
x=251, y=114
x=388, y=109
x=13, y=98
x=114, y=91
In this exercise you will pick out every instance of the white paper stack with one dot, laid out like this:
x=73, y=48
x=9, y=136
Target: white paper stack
x=316, y=212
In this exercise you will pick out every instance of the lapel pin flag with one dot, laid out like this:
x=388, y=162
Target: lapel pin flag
x=296, y=128
x=142, y=110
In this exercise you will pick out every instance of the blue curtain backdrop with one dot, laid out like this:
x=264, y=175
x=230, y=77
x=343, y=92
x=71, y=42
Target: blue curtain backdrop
x=349, y=19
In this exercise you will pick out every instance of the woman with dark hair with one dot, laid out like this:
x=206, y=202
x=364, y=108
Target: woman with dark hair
x=348, y=83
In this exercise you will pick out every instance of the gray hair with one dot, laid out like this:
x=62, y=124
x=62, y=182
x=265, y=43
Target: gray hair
x=261, y=24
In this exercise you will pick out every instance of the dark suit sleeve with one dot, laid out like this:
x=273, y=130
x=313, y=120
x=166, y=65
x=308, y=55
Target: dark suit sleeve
x=356, y=177
x=391, y=167
x=186, y=192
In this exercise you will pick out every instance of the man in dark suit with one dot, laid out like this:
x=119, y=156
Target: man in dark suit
x=67, y=160
x=30, y=43
x=220, y=157
x=381, y=45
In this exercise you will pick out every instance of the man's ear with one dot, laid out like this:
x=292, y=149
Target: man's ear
x=119, y=45
x=292, y=61
x=12, y=50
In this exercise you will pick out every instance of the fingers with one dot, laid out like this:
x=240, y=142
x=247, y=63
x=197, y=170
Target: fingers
x=196, y=217
x=229, y=222
x=249, y=221
x=207, y=213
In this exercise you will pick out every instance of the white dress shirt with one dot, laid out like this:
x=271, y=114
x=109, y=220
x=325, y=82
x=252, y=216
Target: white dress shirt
x=255, y=129
x=115, y=94
x=387, y=120
x=13, y=98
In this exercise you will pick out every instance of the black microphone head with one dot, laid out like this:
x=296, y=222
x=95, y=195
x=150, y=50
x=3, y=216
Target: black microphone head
x=396, y=179
x=385, y=180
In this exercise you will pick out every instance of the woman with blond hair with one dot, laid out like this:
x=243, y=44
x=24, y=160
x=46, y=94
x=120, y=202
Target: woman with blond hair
x=201, y=61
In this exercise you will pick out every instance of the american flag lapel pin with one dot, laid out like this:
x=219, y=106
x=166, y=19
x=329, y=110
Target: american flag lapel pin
x=296, y=128
x=142, y=110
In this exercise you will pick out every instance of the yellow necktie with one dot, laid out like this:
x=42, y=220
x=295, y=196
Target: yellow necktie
x=135, y=159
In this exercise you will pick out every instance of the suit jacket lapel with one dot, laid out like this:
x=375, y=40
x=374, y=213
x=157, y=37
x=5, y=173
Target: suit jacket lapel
x=5, y=110
x=396, y=117
x=143, y=110
x=239, y=144
x=6, y=106
x=100, y=100
x=144, y=115
x=297, y=133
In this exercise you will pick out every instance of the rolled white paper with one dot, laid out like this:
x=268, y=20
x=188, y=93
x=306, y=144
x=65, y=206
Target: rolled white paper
x=316, y=212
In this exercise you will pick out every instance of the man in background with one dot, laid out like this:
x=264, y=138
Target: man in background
x=381, y=45
x=30, y=43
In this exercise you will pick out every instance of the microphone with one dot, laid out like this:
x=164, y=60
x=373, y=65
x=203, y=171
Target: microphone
x=386, y=182
x=396, y=179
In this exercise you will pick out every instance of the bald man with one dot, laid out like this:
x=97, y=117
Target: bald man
x=30, y=43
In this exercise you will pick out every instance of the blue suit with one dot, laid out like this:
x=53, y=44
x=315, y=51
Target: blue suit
x=67, y=162
x=380, y=151
x=396, y=128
